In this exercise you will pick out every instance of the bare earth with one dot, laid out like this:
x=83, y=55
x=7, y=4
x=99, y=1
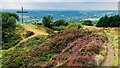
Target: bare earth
x=35, y=31
x=110, y=54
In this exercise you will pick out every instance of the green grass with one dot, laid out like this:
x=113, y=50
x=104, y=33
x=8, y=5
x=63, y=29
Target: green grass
x=25, y=47
x=29, y=44
x=115, y=47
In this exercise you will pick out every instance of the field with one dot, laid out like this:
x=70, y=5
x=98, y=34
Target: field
x=69, y=16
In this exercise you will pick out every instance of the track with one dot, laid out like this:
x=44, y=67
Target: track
x=110, y=54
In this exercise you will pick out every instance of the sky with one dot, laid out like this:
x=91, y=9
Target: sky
x=59, y=0
x=60, y=4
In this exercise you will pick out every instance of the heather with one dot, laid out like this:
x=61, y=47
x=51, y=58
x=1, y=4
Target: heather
x=66, y=47
x=58, y=43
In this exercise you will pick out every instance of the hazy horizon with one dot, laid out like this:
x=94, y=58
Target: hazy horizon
x=60, y=5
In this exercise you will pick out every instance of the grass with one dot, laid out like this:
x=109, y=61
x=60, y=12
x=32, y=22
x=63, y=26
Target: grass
x=26, y=46
x=115, y=47
x=30, y=43
x=114, y=42
x=35, y=42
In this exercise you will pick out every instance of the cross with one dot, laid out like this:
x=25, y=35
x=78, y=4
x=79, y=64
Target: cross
x=22, y=13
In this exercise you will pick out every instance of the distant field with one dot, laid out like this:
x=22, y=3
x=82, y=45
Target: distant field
x=69, y=16
x=92, y=19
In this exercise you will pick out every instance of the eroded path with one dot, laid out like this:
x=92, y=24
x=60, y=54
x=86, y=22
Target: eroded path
x=36, y=32
x=109, y=59
x=110, y=54
x=32, y=28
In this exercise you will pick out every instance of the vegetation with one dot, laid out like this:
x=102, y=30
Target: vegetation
x=28, y=33
x=47, y=20
x=67, y=44
x=10, y=34
x=60, y=23
x=0, y=27
x=87, y=22
x=73, y=49
x=68, y=16
x=37, y=23
x=74, y=26
x=22, y=55
x=112, y=21
x=59, y=28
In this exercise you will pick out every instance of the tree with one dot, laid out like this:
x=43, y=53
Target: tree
x=87, y=22
x=9, y=32
x=47, y=20
x=112, y=21
x=9, y=19
x=60, y=22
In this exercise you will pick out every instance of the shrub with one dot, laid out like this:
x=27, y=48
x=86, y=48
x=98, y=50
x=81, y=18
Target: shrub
x=77, y=48
x=10, y=30
x=47, y=20
x=25, y=55
x=34, y=23
x=70, y=48
x=19, y=26
x=63, y=38
x=50, y=31
x=59, y=28
x=29, y=33
x=39, y=23
x=74, y=26
x=87, y=22
x=60, y=22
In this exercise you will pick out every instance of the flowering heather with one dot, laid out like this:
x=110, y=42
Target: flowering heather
x=67, y=48
x=77, y=48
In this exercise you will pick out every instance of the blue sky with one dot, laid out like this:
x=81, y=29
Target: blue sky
x=60, y=4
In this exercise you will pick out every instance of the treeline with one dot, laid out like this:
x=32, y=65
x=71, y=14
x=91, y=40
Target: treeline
x=61, y=24
x=112, y=21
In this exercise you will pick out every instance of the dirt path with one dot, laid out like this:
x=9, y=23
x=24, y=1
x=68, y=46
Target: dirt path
x=110, y=54
x=35, y=31
x=30, y=27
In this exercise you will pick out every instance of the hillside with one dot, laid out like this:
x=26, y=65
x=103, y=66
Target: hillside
x=88, y=46
x=33, y=29
x=59, y=43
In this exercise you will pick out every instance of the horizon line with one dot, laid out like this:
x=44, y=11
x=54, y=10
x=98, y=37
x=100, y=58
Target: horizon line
x=62, y=9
